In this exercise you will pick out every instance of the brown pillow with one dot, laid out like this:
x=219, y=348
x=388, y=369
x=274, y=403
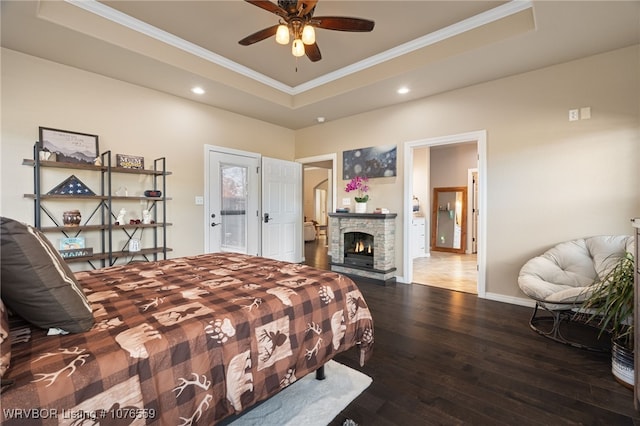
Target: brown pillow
x=37, y=284
x=5, y=340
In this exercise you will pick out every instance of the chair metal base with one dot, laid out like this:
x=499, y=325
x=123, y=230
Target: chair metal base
x=560, y=323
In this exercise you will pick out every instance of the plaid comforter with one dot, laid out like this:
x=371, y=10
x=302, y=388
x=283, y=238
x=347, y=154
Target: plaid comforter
x=186, y=341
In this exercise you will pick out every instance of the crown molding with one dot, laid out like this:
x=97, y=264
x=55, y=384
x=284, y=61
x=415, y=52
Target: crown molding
x=476, y=21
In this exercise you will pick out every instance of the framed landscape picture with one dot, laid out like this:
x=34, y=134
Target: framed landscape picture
x=70, y=147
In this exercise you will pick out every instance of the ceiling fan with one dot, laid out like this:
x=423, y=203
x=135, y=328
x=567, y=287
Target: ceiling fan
x=297, y=21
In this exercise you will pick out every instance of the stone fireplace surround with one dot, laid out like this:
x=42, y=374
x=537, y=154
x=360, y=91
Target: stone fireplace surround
x=383, y=229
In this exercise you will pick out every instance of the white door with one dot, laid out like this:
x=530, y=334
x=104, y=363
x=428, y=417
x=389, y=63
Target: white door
x=321, y=206
x=282, y=210
x=232, y=202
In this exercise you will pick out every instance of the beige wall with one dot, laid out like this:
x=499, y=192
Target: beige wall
x=548, y=179
x=129, y=119
x=449, y=165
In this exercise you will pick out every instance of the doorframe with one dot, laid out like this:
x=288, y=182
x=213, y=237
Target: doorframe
x=480, y=137
x=207, y=150
x=333, y=157
x=470, y=209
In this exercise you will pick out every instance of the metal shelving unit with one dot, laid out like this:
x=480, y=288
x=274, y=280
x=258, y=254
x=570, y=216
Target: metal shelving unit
x=100, y=219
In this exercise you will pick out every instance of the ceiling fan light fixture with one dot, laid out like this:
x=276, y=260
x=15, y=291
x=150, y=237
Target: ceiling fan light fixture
x=282, y=34
x=296, y=21
x=297, y=48
x=308, y=35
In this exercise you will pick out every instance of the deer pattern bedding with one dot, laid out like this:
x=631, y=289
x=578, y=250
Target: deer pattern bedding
x=185, y=341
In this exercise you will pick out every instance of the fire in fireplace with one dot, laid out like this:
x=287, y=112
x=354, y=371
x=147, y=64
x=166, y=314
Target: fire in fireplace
x=358, y=249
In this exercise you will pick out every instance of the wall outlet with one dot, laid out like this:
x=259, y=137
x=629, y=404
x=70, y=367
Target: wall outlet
x=346, y=201
x=199, y=200
x=574, y=115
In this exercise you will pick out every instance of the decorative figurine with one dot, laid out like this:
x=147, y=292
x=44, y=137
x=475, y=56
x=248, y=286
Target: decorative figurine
x=146, y=217
x=122, y=192
x=120, y=218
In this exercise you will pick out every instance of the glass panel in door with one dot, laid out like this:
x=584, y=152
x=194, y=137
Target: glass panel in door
x=234, y=191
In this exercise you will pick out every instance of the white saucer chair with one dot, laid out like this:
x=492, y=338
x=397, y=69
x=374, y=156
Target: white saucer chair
x=561, y=278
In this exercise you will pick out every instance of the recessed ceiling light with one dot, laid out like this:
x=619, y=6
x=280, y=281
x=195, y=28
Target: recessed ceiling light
x=403, y=90
x=198, y=90
x=320, y=119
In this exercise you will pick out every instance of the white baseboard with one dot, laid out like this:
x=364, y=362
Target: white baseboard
x=510, y=299
x=520, y=301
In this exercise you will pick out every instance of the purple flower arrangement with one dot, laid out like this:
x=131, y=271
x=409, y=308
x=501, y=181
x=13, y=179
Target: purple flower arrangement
x=359, y=184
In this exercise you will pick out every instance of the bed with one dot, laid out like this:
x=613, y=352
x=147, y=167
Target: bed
x=183, y=341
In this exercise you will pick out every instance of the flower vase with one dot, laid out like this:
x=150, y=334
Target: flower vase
x=361, y=207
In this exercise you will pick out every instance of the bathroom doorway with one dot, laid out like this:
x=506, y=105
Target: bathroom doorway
x=447, y=162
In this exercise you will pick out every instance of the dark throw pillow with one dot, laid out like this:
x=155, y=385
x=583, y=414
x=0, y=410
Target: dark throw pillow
x=37, y=284
x=5, y=340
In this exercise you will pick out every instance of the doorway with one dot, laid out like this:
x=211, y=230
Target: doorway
x=468, y=263
x=232, y=188
x=252, y=204
x=320, y=202
x=319, y=199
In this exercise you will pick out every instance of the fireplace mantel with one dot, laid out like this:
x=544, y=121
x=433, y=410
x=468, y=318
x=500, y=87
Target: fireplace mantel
x=383, y=228
x=365, y=215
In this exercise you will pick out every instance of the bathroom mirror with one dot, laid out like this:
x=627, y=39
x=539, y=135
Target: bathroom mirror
x=449, y=219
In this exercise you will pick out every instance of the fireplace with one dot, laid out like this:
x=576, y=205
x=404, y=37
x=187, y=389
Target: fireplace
x=363, y=244
x=358, y=249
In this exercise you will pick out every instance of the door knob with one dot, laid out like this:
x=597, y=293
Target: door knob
x=266, y=218
x=214, y=224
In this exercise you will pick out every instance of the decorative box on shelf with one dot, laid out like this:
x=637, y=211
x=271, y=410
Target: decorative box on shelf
x=73, y=253
x=379, y=210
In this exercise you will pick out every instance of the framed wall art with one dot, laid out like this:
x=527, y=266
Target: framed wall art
x=70, y=147
x=371, y=162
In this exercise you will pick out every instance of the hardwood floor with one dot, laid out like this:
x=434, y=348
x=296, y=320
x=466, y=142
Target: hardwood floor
x=445, y=357
x=316, y=253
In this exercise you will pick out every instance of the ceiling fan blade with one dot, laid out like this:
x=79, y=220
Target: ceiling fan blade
x=305, y=7
x=313, y=52
x=342, y=23
x=259, y=36
x=269, y=7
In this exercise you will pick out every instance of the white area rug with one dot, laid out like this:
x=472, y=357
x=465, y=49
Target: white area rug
x=309, y=401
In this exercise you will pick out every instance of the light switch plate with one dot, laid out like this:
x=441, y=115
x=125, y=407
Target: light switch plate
x=199, y=200
x=346, y=201
x=585, y=113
